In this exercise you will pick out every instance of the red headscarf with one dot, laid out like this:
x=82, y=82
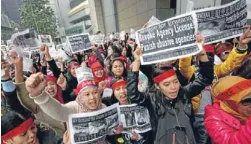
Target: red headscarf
x=93, y=58
x=97, y=66
x=59, y=96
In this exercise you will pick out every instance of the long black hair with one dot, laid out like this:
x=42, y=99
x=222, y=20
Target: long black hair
x=11, y=120
x=110, y=73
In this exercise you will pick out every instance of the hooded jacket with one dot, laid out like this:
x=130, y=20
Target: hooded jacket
x=171, y=120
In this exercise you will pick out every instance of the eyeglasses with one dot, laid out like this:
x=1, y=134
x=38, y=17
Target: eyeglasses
x=246, y=102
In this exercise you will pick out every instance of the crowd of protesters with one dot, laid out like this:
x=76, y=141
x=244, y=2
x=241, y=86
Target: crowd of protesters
x=204, y=99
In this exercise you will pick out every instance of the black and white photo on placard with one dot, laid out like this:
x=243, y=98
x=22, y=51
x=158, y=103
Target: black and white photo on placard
x=92, y=127
x=80, y=42
x=134, y=117
x=25, y=41
x=222, y=22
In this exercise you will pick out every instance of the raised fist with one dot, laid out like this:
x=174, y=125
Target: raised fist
x=44, y=49
x=35, y=84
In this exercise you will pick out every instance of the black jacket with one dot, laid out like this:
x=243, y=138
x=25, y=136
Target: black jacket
x=172, y=118
x=46, y=135
x=12, y=103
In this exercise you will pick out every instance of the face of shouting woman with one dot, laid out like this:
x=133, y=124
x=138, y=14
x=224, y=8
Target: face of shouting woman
x=91, y=98
x=121, y=94
x=51, y=88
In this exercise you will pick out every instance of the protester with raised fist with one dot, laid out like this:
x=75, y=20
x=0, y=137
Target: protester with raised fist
x=170, y=105
x=23, y=95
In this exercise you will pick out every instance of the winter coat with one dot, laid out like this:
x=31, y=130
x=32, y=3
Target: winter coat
x=46, y=135
x=223, y=128
x=233, y=61
x=40, y=115
x=171, y=119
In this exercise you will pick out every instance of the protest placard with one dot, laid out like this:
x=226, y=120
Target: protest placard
x=27, y=54
x=92, y=127
x=98, y=39
x=25, y=41
x=171, y=39
x=134, y=118
x=153, y=21
x=80, y=42
x=107, y=92
x=122, y=35
x=45, y=39
x=222, y=22
x=84, y=73
x=27, y=64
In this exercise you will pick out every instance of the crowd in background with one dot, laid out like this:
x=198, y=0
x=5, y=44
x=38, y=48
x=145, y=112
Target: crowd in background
x=205, y=98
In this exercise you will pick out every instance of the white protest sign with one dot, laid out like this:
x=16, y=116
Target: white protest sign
x=107, y=92
x=122, y=35
x=117, y=35
x=91, y=127
x=84, y=73
x=62, y=54
x=222, y=22
x=134, y=118
x=27, y=64
x=184, y=6
x=171, y=39
x=153, y=21
x=132, y=33
x=190, y=5
x=45, y=39
x=98, y=39
x=27, y=54
x=79, y=42
x=25, y=41
x=111, y=36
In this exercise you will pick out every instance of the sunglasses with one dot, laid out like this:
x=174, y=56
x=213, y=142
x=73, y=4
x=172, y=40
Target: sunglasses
x=246, y=102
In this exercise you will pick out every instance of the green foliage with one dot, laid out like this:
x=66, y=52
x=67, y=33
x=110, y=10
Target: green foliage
x=39, y=15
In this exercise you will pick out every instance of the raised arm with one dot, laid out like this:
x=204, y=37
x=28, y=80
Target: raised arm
x=23, y=94
x=205, y=75
x=186, y=68
x=236, y=56
x=54, y=68
x=35, y=85
x=9, y=90
x=133, y=76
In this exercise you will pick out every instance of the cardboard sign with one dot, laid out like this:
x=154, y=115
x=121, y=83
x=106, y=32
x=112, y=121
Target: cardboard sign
x=45, y=39
x=25, y=41
x=79, y=43
x=171, y=39
x=107, y=92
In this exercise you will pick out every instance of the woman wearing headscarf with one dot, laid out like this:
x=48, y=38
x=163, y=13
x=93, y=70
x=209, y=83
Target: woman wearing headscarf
x=88, y=99
x=228, y=120
x=170, y=104
x=19, y=129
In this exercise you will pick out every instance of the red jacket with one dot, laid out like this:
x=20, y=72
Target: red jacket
x=223, y=128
